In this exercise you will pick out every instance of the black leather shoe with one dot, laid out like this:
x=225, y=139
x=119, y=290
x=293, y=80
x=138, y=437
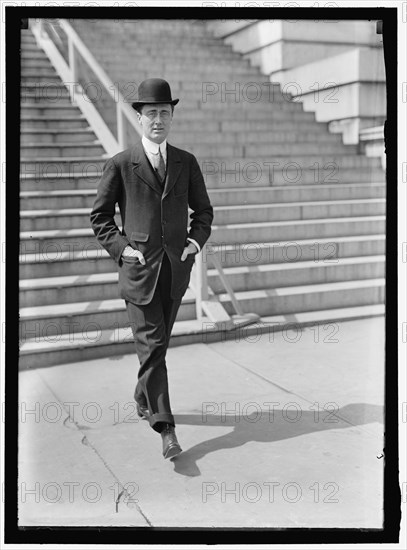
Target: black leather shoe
x=171, y=447
x=142, y=411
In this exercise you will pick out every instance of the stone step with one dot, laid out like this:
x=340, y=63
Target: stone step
x=159, y=44
x=273, y=120
x=45, y=98
x=77, y=218
x=247, y=86
x=211, y=72
x=218, y=177
x=218, y=52
x=267, y=136
x=84, y=198
x=313, y=161
x=196, y=47
x=221, y=127
x=192, y=87
x=35, y=62
x=173, y=39
x=63, y=181
x=40, y=321
x=302, y=229
x=53, y=321
x=27, y=39
x=53, y=263
x=39, y=72
x=258, y=89
x=45, y=79
x=41, y=352
x=54, y=136
x=52, y=110
x=28, y=53
x=29, y=47
x=54, y=166
x=181, y=129
x=232, y=150
x=316, y=250
x=49, y=95
x=258, y=277
x=214, y=63
x=53, y=122
x=285, y=194
x=151, y=27
x=68, y=149
x=87, y=175
x=214, y=54
x=74, y=288
x=27, y=36
x=271, y=150
x=201, y=100
x=285, y=170
x=246, y=118
x=35, y=87
x=219, y=106
x=326, y=169
x=75, y=240
x=201, y=62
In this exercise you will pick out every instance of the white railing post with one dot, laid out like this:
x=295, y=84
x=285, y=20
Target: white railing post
x=41, y=27
x=201, y=282
x=73, y=67
x=121, y=126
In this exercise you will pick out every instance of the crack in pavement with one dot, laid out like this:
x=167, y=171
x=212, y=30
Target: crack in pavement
x=85, y=441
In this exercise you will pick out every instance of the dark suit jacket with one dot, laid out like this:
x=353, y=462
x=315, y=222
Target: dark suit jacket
x=154, y=221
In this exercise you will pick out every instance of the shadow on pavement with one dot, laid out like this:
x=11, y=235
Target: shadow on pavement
x=269, y=426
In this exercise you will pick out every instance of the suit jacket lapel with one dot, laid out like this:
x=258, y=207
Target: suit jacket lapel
x=174, y=167
x=142, y=168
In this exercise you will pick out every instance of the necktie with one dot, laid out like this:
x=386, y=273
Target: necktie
x=160, y=165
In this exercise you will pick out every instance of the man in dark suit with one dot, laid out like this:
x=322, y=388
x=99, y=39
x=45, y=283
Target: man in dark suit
x=153, y=184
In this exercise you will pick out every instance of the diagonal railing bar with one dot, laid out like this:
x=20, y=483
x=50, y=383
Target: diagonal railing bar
x=68, y=71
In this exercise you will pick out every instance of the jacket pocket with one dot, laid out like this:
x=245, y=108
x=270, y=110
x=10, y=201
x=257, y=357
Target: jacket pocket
x=139, y=237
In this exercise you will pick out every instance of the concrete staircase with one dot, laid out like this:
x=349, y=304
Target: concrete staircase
x=299, y=217
x=335, y=68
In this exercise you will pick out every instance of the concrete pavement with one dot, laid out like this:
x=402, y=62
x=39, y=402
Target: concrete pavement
x=282, y=430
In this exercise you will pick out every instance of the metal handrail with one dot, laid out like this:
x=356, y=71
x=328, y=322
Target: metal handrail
x=68, y=72
x=123, y=109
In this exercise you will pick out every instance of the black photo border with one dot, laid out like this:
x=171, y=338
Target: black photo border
x=151, y=535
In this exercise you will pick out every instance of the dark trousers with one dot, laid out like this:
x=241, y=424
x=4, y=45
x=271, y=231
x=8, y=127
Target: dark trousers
x=151, y=325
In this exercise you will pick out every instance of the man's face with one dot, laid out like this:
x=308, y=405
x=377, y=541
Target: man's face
x=155, y=120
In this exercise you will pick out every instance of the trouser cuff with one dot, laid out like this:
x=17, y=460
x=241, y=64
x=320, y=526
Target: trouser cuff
x=156, y=420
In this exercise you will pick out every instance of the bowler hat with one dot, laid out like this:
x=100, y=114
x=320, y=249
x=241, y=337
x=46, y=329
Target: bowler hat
x=154, y=90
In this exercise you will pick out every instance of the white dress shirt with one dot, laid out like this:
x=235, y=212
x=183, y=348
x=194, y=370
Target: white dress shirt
x=151, y=149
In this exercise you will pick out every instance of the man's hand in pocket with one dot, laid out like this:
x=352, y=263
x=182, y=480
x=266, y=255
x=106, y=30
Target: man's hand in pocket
x=190, y=249
x=130, y=252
